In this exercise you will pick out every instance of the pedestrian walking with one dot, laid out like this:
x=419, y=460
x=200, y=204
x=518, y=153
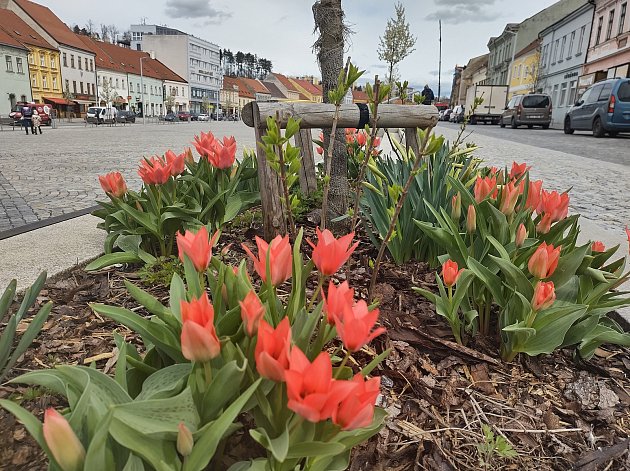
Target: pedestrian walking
x=428, y=95
x=37, y=122
x=27, y=121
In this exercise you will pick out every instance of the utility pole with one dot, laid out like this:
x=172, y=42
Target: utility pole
x=440, y=65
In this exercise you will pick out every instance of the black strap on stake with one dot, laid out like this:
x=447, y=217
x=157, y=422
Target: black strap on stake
x=364, y=115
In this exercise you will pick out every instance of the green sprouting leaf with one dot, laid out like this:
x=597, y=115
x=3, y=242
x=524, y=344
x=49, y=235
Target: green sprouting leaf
x=165, y=382
x=278, y=446
x=110, y=259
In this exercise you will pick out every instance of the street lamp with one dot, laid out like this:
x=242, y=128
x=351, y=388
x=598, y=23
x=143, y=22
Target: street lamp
x=150, y=56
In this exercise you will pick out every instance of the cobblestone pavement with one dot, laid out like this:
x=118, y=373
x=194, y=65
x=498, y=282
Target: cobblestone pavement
x=600, y=190
x=56, y=173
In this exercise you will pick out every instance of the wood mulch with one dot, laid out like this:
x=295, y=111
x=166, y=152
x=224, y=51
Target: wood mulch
x=556, y=411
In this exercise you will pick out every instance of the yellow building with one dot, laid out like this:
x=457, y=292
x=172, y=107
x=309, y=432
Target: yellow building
x=43, y=60
x=525, y=71
x=308, y=89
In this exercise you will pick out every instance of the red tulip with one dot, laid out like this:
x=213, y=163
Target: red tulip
x=521, y=235
x=330, y=254
x=197, y=247
x=554, y=204
x=204, y=144
x=377, y=143
x=62, y=441
x=339, y=299
x=361, y=138
x=493, y=171
x=544, y=261
x=311, y=390
x=471, y=219
x=272, y=349
x=113, y=184
x=450, y=272
x=223, y=153
x=509, y=196
x=357, y=409
x=280, y=259
x=485, y=187
x=199, y=338
x=356, y=324
x=320, y=150
x=177, y=162
x=518, y=170
x=252, y=311
x=544, y=295
x=598, y=246
x=533, y=194
x=154, y=171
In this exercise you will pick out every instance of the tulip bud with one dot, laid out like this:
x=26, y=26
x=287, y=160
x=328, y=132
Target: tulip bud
x=598, y=246
x=456, y=207
x=450, y=272
x=544, y=295
x=521, y=235
x=62, y=441
x=544, y=261
x=185, y=440
x=471, y=219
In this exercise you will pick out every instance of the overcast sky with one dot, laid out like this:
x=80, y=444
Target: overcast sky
x=282, y=30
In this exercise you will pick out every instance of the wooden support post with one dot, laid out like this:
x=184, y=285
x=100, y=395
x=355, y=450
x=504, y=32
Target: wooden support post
x=308, y=179
x=274, y=219
x=411, y=140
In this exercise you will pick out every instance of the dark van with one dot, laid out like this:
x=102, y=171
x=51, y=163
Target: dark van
x=532, y=110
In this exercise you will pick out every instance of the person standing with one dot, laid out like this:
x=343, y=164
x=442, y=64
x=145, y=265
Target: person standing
x=27, y=118
x=37, y=122
x=428, y=95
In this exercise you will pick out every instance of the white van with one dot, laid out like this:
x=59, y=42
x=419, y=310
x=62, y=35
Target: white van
x=100, y=114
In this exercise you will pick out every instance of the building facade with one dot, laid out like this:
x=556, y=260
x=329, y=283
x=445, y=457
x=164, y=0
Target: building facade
x=609, y=51
x=194, y=59
x=525, y=74
x=14, y=77
x=473, y=73
x=564, y=47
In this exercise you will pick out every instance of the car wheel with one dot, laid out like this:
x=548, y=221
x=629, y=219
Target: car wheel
x=567, y=126
x=501, y=123
x=513, y=123
x=545, y=126
x=598, y=129
x=530, y=126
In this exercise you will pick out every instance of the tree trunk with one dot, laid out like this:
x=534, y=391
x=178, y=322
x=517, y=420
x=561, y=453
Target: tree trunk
x=328, y=16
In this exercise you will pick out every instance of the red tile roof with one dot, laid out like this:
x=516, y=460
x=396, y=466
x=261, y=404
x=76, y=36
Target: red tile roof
x=254, y=86
x=308, y=86
x=7, y=40
x=20, y=31
x=286, y=82
x=121, y=59
x=229, y=83
x=50, y=23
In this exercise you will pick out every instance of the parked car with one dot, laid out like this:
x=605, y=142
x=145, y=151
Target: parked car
x=232, y=117
x=447, y=114
x=457, y=115
x=214, y=117
x=532, y=110
x=203, y=117
x=125, y=116
x=170, y=117
x=183, y=115
x=42, y=110
x=100, y=115
x=603, y=108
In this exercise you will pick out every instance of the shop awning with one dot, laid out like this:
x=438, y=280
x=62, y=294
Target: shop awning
x=59, y=101
x=84, y=102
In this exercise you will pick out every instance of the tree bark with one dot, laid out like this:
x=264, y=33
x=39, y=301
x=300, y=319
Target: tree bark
x=328, y=16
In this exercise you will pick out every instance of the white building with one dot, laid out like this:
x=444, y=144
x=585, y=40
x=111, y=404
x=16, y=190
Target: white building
x=192, y=58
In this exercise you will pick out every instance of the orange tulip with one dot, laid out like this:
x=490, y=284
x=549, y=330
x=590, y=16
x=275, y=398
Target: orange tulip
x=177, y=162
x=509, y=196
x=544, y=226
x=554, y=204
x=154, y=171
x=199, y=338
x=339, y=299
x=544, y=295
x=197, y=247
x=62, y=442
x=544, y=261
x=356, y=324
x=223, y=153
x=311, y=389
x=521, y=235
x=320, y=150
x=252, y=311
x=204, y=144
x=357, y=409
x=485, y=187
x=280, y=259
x=598, y=246
x=330, y=254
x=518, y=170
x=450, y=272
x=471, y=219
x=113, y=184
x=272, y=349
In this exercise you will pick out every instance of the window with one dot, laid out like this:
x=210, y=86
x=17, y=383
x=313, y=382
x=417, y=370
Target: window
x=611, y=19
x=572, y=90
x=564, y=43
x=86, y=63
x=624, y=92
x=44, y=82
x=72, y=60
x=581, y=41
x=30, y=59
x=123, y=85
x=599, y=30
x=79, y=61
x=42, y=60
x=34, y=81
x=570, y=52
x=592, y=94
x=117, y=83
x=554, y=98
x=65, y=60
x=604, y=95
x=54, y=83
x=144, y=89
x=622, y=17
x=130, y=87
x=110, y=81
x=91, y=65
x=9, y=64
x=18, y=64
x=563, y=94
x=53, y=62
x=67, y=85
x=536, y=101
x=555, y=50
x=74, y=86
x=81, y=85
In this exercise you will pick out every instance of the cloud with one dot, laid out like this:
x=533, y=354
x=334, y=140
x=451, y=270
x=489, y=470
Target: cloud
x=195, y=9
x=462, y=11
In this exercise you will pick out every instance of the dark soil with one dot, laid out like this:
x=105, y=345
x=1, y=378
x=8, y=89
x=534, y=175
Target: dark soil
x=557, y=412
